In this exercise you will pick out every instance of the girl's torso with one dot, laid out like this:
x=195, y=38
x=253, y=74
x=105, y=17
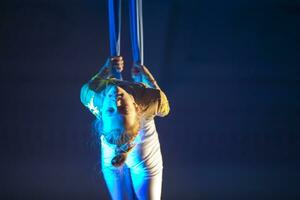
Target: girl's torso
x=146, y=153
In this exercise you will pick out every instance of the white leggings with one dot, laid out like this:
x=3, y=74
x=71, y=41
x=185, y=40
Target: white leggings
x=141, y=175
x=124, y=184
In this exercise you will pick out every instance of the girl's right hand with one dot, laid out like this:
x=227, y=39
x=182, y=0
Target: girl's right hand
x=117, y=63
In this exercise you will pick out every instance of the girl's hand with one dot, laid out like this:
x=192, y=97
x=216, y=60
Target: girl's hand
x=141, y=74
x=137, y=73
x=117, y=63
x=136, y=69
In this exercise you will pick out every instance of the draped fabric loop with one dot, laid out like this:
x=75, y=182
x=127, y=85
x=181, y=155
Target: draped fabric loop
x=136, y=31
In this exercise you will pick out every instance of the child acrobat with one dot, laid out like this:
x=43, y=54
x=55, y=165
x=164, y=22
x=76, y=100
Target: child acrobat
x=131, y=158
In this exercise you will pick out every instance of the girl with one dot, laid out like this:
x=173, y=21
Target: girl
x=130, y=150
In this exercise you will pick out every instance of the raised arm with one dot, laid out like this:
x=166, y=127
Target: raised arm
x=141, y=74
x=98, y=83
x=105, y=72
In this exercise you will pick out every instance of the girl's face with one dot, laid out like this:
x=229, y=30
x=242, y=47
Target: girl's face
x=118, y=110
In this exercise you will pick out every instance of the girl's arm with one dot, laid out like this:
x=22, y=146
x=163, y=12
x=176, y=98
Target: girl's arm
x=141, y=74
x=104, y=74
x=98, y=83
x=158, y=104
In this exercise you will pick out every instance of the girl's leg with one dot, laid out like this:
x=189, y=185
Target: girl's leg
x=117, y=179
x=146, y=165
x=119, y=183
x=147, y=187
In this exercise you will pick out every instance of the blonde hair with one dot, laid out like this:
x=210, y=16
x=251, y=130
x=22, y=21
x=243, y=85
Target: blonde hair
x=122, y=138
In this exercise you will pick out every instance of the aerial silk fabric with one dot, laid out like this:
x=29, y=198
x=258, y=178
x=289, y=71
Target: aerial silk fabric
x=136, y=31
x=114, y=21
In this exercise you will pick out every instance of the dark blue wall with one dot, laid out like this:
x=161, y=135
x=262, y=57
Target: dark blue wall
x=230, y=70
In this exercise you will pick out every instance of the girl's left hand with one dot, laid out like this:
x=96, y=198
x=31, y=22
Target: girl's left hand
x=117, y=62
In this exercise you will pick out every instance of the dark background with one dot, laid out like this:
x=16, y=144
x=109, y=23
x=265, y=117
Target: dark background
x=231, y=72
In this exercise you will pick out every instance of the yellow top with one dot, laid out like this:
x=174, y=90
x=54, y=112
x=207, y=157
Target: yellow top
x=152, y=102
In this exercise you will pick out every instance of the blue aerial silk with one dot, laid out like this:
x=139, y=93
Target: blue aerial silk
x=114, y=19
x=136, y=31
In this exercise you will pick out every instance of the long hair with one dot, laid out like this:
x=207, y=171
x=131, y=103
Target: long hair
x=122, y=139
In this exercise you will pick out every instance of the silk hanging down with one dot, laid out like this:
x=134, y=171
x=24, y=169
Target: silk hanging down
x=114, y=21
